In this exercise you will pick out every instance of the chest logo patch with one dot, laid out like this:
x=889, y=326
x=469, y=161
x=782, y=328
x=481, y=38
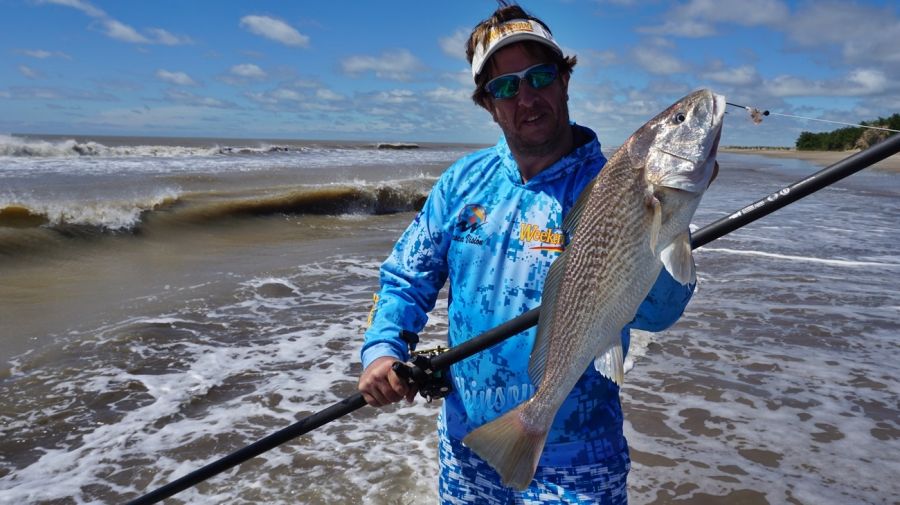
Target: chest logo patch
x=471, y=217
x=546, y=239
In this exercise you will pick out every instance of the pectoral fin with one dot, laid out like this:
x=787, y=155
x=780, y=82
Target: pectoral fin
x=611, y=364
x=678, y=260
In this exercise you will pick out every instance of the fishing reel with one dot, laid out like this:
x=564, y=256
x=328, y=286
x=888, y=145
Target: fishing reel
x=430, y=382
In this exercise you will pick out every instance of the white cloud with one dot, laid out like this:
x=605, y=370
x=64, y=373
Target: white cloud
x=396, y=96
x=248, y=70
x=290, y=95
x=274, y=29
x=594, y=57
x=698, y=18
x=455, y=45
x=443, y=94
x=37, y=53
x=123, y=32
x=305, y=99
x=29, y=72
x=179, y=78
x=165, y=38
x=656, y=61
x=118, y=30
x=84, y=7
x=328, y=95
x=148, y=119
x=398, y=65
x=59, y=93
x=864, y=34
x=868, y=81
x=187, y=98
x=858, y=82
x=305, y=84
x=742, y=12
x=743, y=75
x=42, y=54
x=262, y=98
x=683, y=28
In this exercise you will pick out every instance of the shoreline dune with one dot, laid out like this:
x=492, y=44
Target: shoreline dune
x=822, y=158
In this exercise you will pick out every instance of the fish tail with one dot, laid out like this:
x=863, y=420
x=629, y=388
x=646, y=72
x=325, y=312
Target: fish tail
x=509, y=446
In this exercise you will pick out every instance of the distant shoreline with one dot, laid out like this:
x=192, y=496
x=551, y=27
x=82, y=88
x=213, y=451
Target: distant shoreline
x=821, y=158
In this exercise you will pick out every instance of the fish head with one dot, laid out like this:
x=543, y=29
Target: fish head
x=677, y=148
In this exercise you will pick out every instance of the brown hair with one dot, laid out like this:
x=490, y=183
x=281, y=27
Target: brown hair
x=480, y=33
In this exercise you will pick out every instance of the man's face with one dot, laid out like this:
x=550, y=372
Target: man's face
x=534, y=120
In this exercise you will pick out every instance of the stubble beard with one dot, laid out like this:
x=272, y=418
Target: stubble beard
x=531, y=148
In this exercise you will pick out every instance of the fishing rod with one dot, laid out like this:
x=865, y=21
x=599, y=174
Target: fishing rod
x=437, y=363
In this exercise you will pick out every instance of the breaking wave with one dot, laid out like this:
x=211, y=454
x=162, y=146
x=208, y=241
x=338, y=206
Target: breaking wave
x=112, y=215
x=27, y=226
x=34, y=148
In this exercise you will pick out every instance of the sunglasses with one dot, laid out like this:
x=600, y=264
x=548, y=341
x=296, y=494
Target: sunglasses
x=507, y=85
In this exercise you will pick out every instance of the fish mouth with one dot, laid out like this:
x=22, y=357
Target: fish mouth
x=715, y=144
x=675, y=155
x=719, y=105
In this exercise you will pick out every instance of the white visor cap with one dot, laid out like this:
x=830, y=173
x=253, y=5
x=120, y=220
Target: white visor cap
x=516, y=30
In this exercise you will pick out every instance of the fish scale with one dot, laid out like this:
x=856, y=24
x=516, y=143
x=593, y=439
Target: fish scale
x=631, y=221
x=603, y=256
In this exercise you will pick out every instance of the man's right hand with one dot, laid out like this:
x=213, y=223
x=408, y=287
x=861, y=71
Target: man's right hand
x=381, y=386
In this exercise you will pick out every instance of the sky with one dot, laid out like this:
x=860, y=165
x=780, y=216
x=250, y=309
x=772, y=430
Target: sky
x=395, y=70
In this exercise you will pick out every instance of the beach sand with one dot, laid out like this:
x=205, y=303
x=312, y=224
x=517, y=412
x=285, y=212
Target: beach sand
x=823, y=158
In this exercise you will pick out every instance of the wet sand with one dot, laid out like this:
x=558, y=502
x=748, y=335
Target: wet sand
x=823, y=158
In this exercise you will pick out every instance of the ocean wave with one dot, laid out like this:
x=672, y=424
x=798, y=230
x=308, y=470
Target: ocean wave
x=337, y=199
x=806, y=259
x=111, y=215
x=170, y=208
x=36, y=148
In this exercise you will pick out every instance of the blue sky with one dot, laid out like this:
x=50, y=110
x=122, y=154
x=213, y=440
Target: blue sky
x=396, y=70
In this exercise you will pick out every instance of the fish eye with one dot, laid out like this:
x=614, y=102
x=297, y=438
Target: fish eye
x=679, y=117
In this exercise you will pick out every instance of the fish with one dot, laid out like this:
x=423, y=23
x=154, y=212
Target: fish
x=631, y=221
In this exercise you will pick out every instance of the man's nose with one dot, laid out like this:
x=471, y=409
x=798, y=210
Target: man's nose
x=527, y=94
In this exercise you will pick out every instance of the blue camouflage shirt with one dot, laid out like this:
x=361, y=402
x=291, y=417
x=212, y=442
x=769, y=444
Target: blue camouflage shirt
x=495, y=237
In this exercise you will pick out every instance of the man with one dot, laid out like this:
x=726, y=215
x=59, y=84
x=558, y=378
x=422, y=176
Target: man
x=491, y=225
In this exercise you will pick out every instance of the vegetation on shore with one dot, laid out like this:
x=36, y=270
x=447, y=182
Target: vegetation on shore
x=845, y=139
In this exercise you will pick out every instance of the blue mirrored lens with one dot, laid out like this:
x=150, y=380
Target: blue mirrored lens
x=507, y=85
x=541, y=78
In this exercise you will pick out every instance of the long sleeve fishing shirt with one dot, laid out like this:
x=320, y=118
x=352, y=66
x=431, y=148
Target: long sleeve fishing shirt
x=495, y=237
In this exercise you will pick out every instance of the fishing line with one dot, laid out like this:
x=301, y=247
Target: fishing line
x=756, y=115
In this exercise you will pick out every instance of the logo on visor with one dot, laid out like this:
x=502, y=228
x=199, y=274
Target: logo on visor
x=507, y=28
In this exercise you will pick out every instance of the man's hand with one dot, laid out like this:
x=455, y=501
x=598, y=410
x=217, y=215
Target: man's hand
x=381, y=386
